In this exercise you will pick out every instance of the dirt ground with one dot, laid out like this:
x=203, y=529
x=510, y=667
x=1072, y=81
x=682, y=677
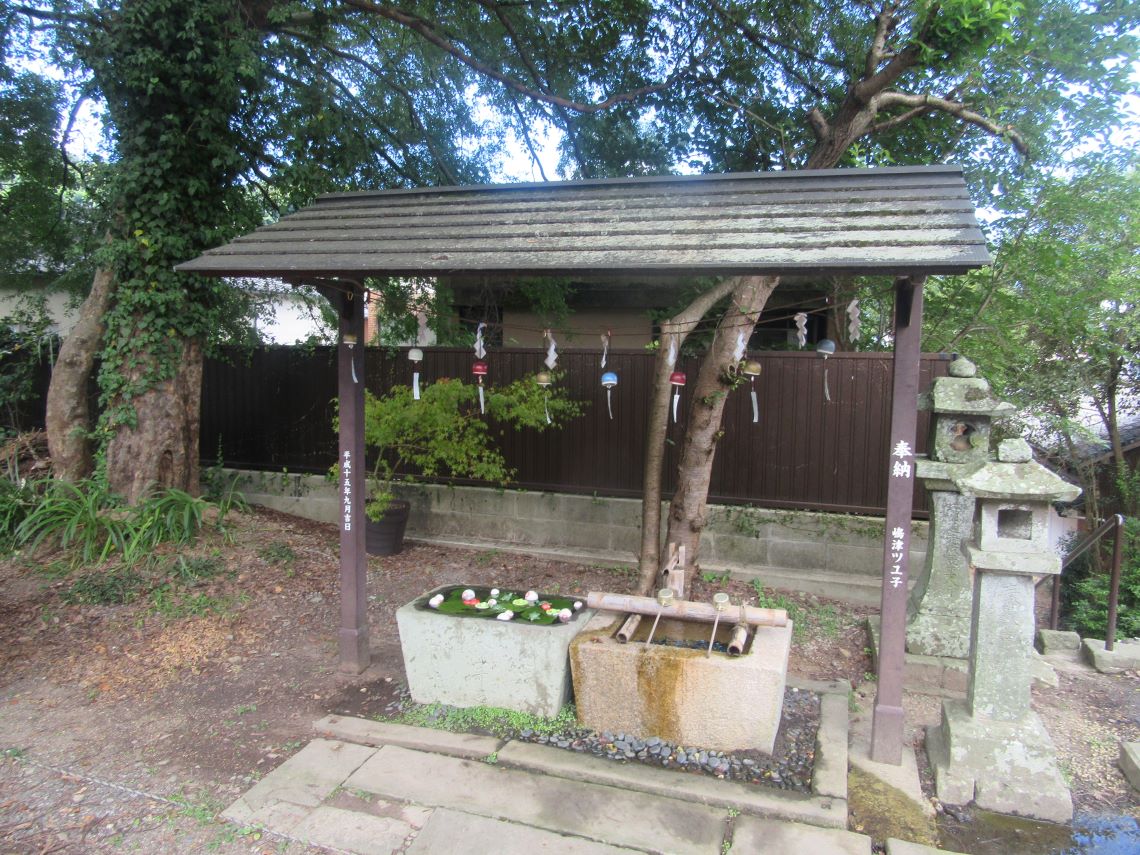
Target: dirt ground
x=127, y=728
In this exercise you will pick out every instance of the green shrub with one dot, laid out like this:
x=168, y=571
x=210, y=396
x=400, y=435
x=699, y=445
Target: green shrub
x=1086, y=594
x=16, y=502
x=91, y=523
x=85, y=519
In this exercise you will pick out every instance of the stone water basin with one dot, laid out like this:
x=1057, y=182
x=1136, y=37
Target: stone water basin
x=677, y=693
x=478, y=660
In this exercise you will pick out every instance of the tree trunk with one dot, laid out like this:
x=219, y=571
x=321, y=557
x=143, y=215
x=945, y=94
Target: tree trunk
x=161, y=449
x=687, y=511
x=68, y=416
x=673, y=332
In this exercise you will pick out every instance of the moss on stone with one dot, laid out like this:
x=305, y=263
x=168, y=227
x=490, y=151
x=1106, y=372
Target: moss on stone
x=881, y=811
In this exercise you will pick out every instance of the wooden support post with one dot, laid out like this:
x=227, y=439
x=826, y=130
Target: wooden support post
x=887, y=720
x=353, y=635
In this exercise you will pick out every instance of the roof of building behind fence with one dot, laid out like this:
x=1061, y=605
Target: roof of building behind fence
x=903, y=221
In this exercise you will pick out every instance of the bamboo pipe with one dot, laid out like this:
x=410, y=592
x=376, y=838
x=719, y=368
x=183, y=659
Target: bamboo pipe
x=683, y=609
x=738, y=639
x=628, y=628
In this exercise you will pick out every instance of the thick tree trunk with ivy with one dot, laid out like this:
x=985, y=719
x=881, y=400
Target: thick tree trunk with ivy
x=160, y=449
x=68, y=418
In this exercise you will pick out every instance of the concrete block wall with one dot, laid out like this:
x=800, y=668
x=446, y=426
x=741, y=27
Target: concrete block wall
x=837, y=555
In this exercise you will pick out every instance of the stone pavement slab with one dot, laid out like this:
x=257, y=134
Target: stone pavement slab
x=305, y=779
x=674, y=784
x=363, y=833
x=554, y=804
x=905, y=847
x=458, y=833
x=755, y=835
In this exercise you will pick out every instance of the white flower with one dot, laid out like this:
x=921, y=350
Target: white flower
x=492, y=601
x=507, y=615
x=435, y=601
x=577, y=605
x=494, y=592
x=468, y=594
x=565, y=615
x=531, y=597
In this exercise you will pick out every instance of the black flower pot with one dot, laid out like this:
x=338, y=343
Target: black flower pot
x=386, y=537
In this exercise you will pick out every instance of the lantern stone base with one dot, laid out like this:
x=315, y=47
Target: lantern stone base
x=470, y=662
x=677, y=693
x=1003, y=766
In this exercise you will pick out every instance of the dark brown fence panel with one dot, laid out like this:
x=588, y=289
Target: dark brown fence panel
x=274, y=409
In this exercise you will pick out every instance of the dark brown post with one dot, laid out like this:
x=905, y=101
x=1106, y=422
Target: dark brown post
x=353, y=636
x=887, y=720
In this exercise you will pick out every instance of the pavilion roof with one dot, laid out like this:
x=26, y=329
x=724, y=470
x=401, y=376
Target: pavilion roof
x=901, y=221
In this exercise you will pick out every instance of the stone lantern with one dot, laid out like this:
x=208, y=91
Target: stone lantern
x=963, y=409
x=992, y=747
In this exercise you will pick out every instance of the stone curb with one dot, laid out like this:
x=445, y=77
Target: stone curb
x=376, y=733
x=829, y=776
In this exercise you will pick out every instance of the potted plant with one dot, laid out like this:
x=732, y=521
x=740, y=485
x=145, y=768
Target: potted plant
x=443, y=435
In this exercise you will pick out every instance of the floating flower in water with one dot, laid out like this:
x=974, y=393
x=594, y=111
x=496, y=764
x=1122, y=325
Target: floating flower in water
x=435, y=601
x=577, y=605
x=494, y=592
x=565, y=615
x=545, y=606
x=467, y=594
x=505, y=615
x=493, y=601
x=531, y=597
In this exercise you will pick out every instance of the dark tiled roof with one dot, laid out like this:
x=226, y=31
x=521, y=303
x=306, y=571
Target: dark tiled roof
x=903, y=221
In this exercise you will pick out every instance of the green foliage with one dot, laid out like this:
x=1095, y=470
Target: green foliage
x=112, y=588
x=1087, y=589
x=278, y=552
x=90, y=524
x=25, y=341
x=444, y=435
x=16, y=502
x=195, y=569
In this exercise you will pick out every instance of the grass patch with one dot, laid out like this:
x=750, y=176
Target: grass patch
x=278, y=552
x=113, y=588
x=495, y=721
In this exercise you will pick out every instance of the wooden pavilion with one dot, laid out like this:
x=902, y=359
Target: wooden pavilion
x=907, y=222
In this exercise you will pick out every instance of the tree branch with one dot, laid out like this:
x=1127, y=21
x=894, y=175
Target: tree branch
x=429, y=33
x=954, y=108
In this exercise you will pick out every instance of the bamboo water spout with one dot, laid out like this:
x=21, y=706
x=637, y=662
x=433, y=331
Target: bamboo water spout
x=684, y=609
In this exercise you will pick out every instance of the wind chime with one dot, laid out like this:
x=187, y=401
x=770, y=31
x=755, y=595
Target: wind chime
x=416, y=356
x=801, y=328
x=751, y=370
x=479, y=367
x=677, y=381
x=825, y=348
x=545, y=378
x=609, y=378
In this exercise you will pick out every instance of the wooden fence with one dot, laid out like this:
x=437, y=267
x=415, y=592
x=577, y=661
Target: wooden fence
x=273, y=409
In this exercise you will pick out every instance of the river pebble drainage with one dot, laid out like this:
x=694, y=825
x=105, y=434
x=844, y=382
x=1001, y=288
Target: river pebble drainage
x=789, y=767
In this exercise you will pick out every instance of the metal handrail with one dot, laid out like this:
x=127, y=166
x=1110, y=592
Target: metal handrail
x=1115, y=524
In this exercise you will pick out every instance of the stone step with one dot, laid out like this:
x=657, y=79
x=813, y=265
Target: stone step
x=594, y=811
